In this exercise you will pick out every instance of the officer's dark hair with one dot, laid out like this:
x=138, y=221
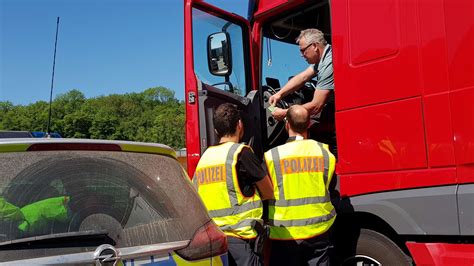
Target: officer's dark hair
x=298, y=118
x=226, y=117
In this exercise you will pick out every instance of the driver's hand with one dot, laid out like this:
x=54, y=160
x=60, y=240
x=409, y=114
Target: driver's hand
x=274, y=99
x=279, y=114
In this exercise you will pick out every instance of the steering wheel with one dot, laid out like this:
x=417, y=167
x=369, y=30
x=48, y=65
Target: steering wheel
x=307, y=91
x=274, y=127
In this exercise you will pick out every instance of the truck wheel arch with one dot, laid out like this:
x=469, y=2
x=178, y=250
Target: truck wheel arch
x=347, y=229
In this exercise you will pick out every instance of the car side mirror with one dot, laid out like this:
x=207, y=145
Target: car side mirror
x=219, y=55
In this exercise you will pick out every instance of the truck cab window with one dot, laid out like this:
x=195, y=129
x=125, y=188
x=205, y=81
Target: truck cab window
x=205, y=25
x=280, y=60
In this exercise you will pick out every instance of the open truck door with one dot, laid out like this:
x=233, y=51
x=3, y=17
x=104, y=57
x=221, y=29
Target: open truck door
x=220, y=75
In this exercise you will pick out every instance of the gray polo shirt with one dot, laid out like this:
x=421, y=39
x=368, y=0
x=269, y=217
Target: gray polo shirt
x=325, y=78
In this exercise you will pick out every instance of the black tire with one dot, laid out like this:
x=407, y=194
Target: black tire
x=374, y=248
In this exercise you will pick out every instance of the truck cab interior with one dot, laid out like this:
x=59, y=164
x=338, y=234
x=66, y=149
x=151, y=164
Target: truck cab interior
x=281, y=59
x=223, y=74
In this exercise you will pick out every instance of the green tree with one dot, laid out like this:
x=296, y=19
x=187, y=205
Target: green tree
x=154, y=115
x=77, y=125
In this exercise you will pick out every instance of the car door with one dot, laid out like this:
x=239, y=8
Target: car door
x=217, y=70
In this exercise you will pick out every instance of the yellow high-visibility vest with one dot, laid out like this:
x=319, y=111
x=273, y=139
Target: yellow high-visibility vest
x=301, y=171
x=216, y=181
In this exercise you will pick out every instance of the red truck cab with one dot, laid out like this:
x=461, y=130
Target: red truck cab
x=404, y=88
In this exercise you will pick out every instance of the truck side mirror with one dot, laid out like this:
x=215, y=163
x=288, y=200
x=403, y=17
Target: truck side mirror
x=219, y=55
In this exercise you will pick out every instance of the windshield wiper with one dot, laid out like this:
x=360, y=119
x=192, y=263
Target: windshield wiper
x=69, y=239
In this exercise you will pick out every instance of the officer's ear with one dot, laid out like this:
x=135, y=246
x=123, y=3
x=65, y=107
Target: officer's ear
x=287, y=125
x=240, y=128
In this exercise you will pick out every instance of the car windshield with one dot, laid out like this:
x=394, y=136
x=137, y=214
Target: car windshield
x=120, y=198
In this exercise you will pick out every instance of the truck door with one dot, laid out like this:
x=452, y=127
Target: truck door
x=217, y=70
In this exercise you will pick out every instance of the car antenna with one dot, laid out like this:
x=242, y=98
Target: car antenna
x=48, y=132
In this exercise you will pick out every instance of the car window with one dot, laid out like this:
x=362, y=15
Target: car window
x=135, y=198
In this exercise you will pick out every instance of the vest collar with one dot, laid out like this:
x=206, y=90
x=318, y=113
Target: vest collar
x=222, y=143
x=293, y=138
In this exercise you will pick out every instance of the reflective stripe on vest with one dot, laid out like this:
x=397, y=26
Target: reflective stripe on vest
x=298, y=202
x=303, y=222
x=302, y=208
x=216, y=181
x=238, y=209
x=244, y=223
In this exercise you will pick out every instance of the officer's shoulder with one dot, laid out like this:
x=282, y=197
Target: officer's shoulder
x=313, y=142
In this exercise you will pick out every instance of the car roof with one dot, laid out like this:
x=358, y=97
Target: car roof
x=42, y=144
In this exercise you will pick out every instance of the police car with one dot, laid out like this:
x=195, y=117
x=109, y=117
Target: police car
x=70, y=201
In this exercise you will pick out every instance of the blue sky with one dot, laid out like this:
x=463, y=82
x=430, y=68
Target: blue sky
x=104, y=46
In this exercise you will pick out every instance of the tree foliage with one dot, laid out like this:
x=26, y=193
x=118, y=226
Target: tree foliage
x=154, y=115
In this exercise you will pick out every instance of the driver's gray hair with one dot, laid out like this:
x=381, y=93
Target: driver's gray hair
x=312, y=36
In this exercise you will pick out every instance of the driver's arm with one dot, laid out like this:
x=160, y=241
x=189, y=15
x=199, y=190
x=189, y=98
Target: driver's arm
x=324, y=86
x=293, y=84
x=319, y=100
x=314, y=107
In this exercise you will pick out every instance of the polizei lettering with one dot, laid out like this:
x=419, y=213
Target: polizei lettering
x=302, y=165
x=209, y=175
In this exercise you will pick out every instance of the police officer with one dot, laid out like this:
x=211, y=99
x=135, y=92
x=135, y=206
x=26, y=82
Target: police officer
x=232, y=183
x=301, y=213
